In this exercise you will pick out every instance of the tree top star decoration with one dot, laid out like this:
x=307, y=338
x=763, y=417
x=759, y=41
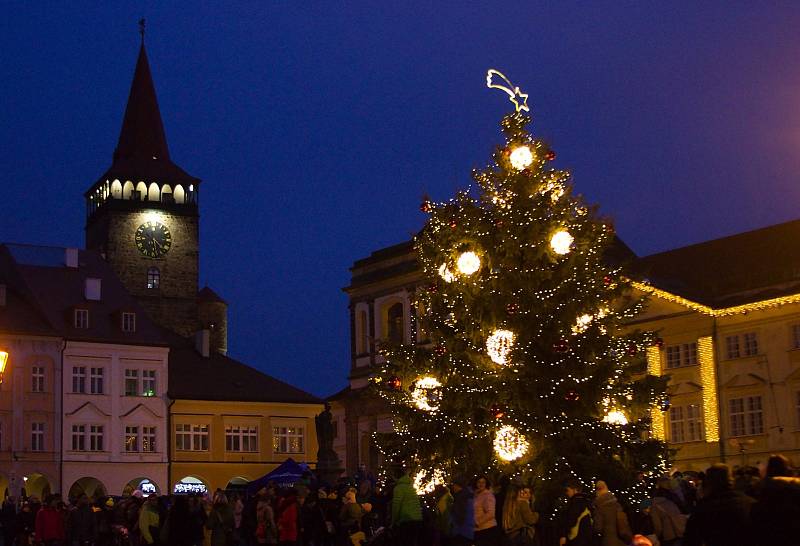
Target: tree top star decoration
x=516, y=96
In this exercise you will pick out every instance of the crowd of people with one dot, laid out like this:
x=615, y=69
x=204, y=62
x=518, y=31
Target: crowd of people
x=713, y=508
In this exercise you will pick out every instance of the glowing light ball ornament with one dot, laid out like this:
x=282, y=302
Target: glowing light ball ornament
x=468, y=263
x=426, y=482
x=521, y=157
x=615, y=417
x=446, y=274
x=561, y=242
x=426, y=394
x=498, y=346
x=509, y=444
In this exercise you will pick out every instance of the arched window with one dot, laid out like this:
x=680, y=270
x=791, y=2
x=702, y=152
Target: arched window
x=116, y=189
x=127, y=190
x=154, y=193
x=362, y=333
x=179, y=194
x=153, y=278
x=395, y=330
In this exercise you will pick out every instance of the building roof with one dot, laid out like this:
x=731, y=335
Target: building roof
x=207, y=294
x=52, y=291
x=734, y=270
x=142, y=152
x=221, y=378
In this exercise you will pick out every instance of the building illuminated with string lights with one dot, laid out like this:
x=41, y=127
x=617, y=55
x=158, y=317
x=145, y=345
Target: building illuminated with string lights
x=727, y=312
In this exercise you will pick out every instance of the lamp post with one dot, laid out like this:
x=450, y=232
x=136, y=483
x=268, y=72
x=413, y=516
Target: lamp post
x=3, y=362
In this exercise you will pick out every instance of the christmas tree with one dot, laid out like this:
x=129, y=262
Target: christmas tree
x=527, y=368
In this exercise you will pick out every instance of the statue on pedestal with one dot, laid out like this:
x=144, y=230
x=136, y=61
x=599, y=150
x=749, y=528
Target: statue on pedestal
x=329, y=467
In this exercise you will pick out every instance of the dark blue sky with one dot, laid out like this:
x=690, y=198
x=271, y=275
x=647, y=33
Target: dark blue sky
x=317, y=128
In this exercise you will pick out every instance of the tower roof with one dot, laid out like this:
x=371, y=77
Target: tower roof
x=142, y=136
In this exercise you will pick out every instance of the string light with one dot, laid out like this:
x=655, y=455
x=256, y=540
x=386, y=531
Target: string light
x=446, y=274
x=468, y=263
x=561, y=242
x=426, y=482
x=521, y=157
x=498, y=346
x=509, y=444
x=615, y=417
x=708, y=379
x=426, y=393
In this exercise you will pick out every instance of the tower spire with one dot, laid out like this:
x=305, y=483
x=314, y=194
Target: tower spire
x=141, y=28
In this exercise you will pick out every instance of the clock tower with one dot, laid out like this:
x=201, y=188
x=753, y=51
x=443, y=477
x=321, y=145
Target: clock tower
x=142, y=214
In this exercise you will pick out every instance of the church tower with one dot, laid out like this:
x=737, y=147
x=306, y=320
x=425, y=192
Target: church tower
x=142, y=214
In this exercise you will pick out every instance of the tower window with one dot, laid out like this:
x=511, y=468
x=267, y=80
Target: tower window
x=395, y=323
x=128, y=322
x=153, y=278
x=81, y=318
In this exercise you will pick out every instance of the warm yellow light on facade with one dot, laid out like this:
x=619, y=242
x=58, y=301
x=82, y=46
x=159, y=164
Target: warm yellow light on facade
x=521, y=157
x=509, y=444
x=656, y=415
x=468, y=263
x=708, y=379
x=3, y=363
x=561, y=242
x=498, y=346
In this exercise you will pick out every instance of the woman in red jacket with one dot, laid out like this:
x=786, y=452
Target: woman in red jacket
x=287, y=519
x=50, y=524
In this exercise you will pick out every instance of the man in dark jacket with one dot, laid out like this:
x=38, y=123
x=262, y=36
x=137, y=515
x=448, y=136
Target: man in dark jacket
x=722, y=517
x=576, y=524
x=776, y=515
x=82, y=523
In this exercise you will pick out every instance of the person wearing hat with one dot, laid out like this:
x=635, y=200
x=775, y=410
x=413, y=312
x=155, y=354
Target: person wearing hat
x=462, y=513
x=105, y=520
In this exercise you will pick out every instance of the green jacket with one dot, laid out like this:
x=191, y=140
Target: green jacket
x=405, y=502
x=148, y=519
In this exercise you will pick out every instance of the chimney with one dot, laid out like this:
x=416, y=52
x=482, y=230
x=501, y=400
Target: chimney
x=202, y=342
x=2, y=295
x=92, y=290
x=71, y=258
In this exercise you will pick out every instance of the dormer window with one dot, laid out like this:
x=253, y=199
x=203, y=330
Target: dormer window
x=153, y=278
x=128, y=322
x=81, y=318
x=93, y=289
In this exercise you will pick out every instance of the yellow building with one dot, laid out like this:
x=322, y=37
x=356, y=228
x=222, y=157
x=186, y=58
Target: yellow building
x=728, y=311
x=230, y=423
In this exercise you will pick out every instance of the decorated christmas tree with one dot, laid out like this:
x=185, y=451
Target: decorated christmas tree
x=527, y=367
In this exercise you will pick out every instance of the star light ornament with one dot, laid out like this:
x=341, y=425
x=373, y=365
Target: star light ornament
x=498, y=346
x=426, y=482
x=521, y=157
x=516, y=96
x=561, y=242
x=426, y=394
x=468, y=263
x=509, y=444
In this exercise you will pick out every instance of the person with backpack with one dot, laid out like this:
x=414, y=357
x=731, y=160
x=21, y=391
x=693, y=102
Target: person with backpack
x=518, y=516
x=669, y=523
x=610, y=521
x=576, y=522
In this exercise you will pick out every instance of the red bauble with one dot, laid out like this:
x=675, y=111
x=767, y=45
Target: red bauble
x=506, y=152
x=497, y=411
x=561, y=346
x=453, y=224
x=571, y=396
x=395, y=383
x=658, y=342
x=440, y=350
x=498, y=223
x=632, y=349
x=512, y=309
x=550, y=156
x=607, y=280
x=433, y=288
x=426, y=206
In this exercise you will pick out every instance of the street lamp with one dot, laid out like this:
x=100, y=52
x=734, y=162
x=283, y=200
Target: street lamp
x=3, y=362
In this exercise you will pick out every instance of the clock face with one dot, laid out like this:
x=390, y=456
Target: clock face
x=153, y=239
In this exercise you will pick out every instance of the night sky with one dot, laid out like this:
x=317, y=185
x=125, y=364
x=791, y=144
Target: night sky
x=317, y=128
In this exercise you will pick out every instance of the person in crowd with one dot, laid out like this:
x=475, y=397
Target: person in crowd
x=25, y=524
x=149, y=523
x=669, y=524
x=462, y=514
x=8, y=520
x=350, y=516
x=518, y=516
x=266, y=530
x=104, y=518
x=198, y=516
x=49, y=523
x=610, y=521
x=776, y=514
x=406, y=512
x=220, y=521
x=238, y=512
x=486, y=530
x=179, y=528
x=442, y=515
x=82, y=523
x=576, y=525
x=287, y=518
x=722, y=516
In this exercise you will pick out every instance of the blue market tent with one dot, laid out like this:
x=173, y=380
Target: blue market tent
x=287, y=474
